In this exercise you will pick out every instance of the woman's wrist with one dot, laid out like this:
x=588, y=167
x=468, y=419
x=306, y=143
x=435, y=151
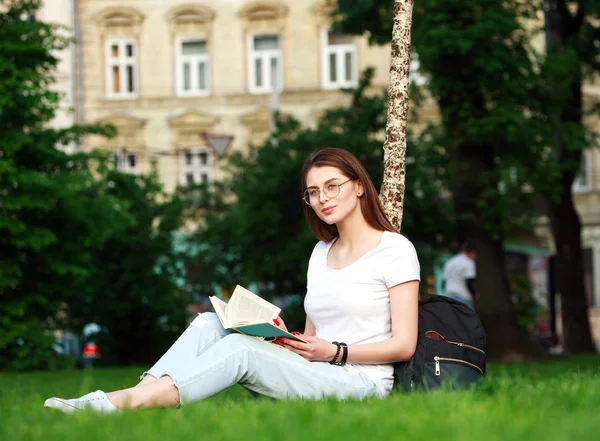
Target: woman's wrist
x=333, y=350
x=335, y=353
x=341, y=353
x=344, y=353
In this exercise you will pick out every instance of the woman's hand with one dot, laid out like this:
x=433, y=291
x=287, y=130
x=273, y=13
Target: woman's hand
x=279, y=323
x=316, y=349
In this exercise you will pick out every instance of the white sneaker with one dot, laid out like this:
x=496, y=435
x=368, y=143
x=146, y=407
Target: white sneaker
x=94, y=401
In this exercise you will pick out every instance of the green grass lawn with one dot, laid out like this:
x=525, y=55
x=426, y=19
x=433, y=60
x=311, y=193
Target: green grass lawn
x=556, y=400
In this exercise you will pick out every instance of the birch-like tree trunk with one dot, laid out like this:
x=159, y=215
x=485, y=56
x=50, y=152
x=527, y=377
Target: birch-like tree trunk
x=394, y=147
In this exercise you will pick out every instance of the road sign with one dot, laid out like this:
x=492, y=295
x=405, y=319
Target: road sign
x=219, y=143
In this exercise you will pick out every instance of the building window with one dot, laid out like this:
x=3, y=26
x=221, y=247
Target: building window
x=192, y=67
x=196, y=166
x=264, y=63
x=121, y=69
x=340, y=65
x=583, y=180
x=127, y=162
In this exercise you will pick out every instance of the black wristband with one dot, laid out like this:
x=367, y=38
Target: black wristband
x=337, y=353
x=344, y=352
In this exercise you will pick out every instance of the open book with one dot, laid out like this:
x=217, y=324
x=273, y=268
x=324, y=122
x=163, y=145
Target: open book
x=249, y=314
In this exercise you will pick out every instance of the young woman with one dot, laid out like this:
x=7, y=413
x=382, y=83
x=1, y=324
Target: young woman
x=361, y=306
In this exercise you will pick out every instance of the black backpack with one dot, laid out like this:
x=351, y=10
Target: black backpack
x=450, y=348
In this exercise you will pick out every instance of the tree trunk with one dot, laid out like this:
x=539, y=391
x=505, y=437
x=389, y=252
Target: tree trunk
x=566, y=230
x=505, y=339
x=394, y=147
x=561, y=30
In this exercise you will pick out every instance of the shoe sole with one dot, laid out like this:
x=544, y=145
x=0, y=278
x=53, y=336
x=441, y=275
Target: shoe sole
x=57, y=403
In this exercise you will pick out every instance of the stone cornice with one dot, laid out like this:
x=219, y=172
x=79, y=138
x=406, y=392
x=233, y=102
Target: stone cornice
x=119, y=21
x=119, y=16
x=257, y=120
x=190, y=13
x=192, y=119
x=304, y=96
x=130, y=133
x=323, y=8
x=189, y=128
x=264, y=10
x=124, y=121
x=258, y=123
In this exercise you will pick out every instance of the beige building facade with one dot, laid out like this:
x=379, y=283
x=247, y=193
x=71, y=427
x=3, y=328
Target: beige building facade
x=186, y=83
x=63, y=13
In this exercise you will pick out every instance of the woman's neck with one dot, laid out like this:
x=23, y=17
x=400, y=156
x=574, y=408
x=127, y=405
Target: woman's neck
x=355, y=231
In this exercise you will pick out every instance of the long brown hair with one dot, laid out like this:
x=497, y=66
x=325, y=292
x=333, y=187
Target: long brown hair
x=370, y=205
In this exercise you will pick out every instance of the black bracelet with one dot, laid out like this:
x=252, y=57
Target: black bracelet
x=344, y=347
x=337, y=353
x=344, y=353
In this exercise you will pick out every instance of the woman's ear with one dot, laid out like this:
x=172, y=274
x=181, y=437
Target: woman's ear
x=360, y=190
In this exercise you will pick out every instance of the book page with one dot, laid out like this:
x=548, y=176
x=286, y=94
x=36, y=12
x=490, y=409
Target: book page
x=221, y=309
x=246, y=308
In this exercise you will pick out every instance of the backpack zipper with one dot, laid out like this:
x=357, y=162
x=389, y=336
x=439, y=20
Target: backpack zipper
x=437, y=359
x=456, y=343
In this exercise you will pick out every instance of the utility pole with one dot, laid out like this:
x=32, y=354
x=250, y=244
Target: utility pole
x=274, y=104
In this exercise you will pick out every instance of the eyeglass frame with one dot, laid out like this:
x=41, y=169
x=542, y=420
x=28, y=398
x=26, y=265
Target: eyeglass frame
x=305, y=195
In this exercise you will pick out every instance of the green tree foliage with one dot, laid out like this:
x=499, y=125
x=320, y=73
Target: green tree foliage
x=263, y=237
x=132, y=293
x=572, y=34
x=480, y=65
x=478, y=60
x=67, y=224
x=50, y=204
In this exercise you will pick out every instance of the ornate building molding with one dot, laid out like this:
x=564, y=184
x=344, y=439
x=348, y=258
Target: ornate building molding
x=258, y=123
x=322, y=9
x=120, y=21
x=130, y=133
x=190, y=19
x=264, y=10
x=189, y=128
x=264, y=16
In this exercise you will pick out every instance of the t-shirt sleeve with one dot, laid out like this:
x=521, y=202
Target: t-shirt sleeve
x=316, y=254
x=470, y=269
x=401, y=263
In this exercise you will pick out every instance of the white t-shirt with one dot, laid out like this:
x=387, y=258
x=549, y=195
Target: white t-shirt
x=352, y=304
x=456, y=272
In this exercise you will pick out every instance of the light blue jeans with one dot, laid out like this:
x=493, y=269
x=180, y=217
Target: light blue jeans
x=207, y=359
x=468, y=302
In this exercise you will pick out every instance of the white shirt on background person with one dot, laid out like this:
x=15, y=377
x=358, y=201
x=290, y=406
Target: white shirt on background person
x=457, y=271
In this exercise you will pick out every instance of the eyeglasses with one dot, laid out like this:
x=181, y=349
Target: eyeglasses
x=331, y=190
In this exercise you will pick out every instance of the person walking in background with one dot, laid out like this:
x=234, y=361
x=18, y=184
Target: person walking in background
x=459, y=275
